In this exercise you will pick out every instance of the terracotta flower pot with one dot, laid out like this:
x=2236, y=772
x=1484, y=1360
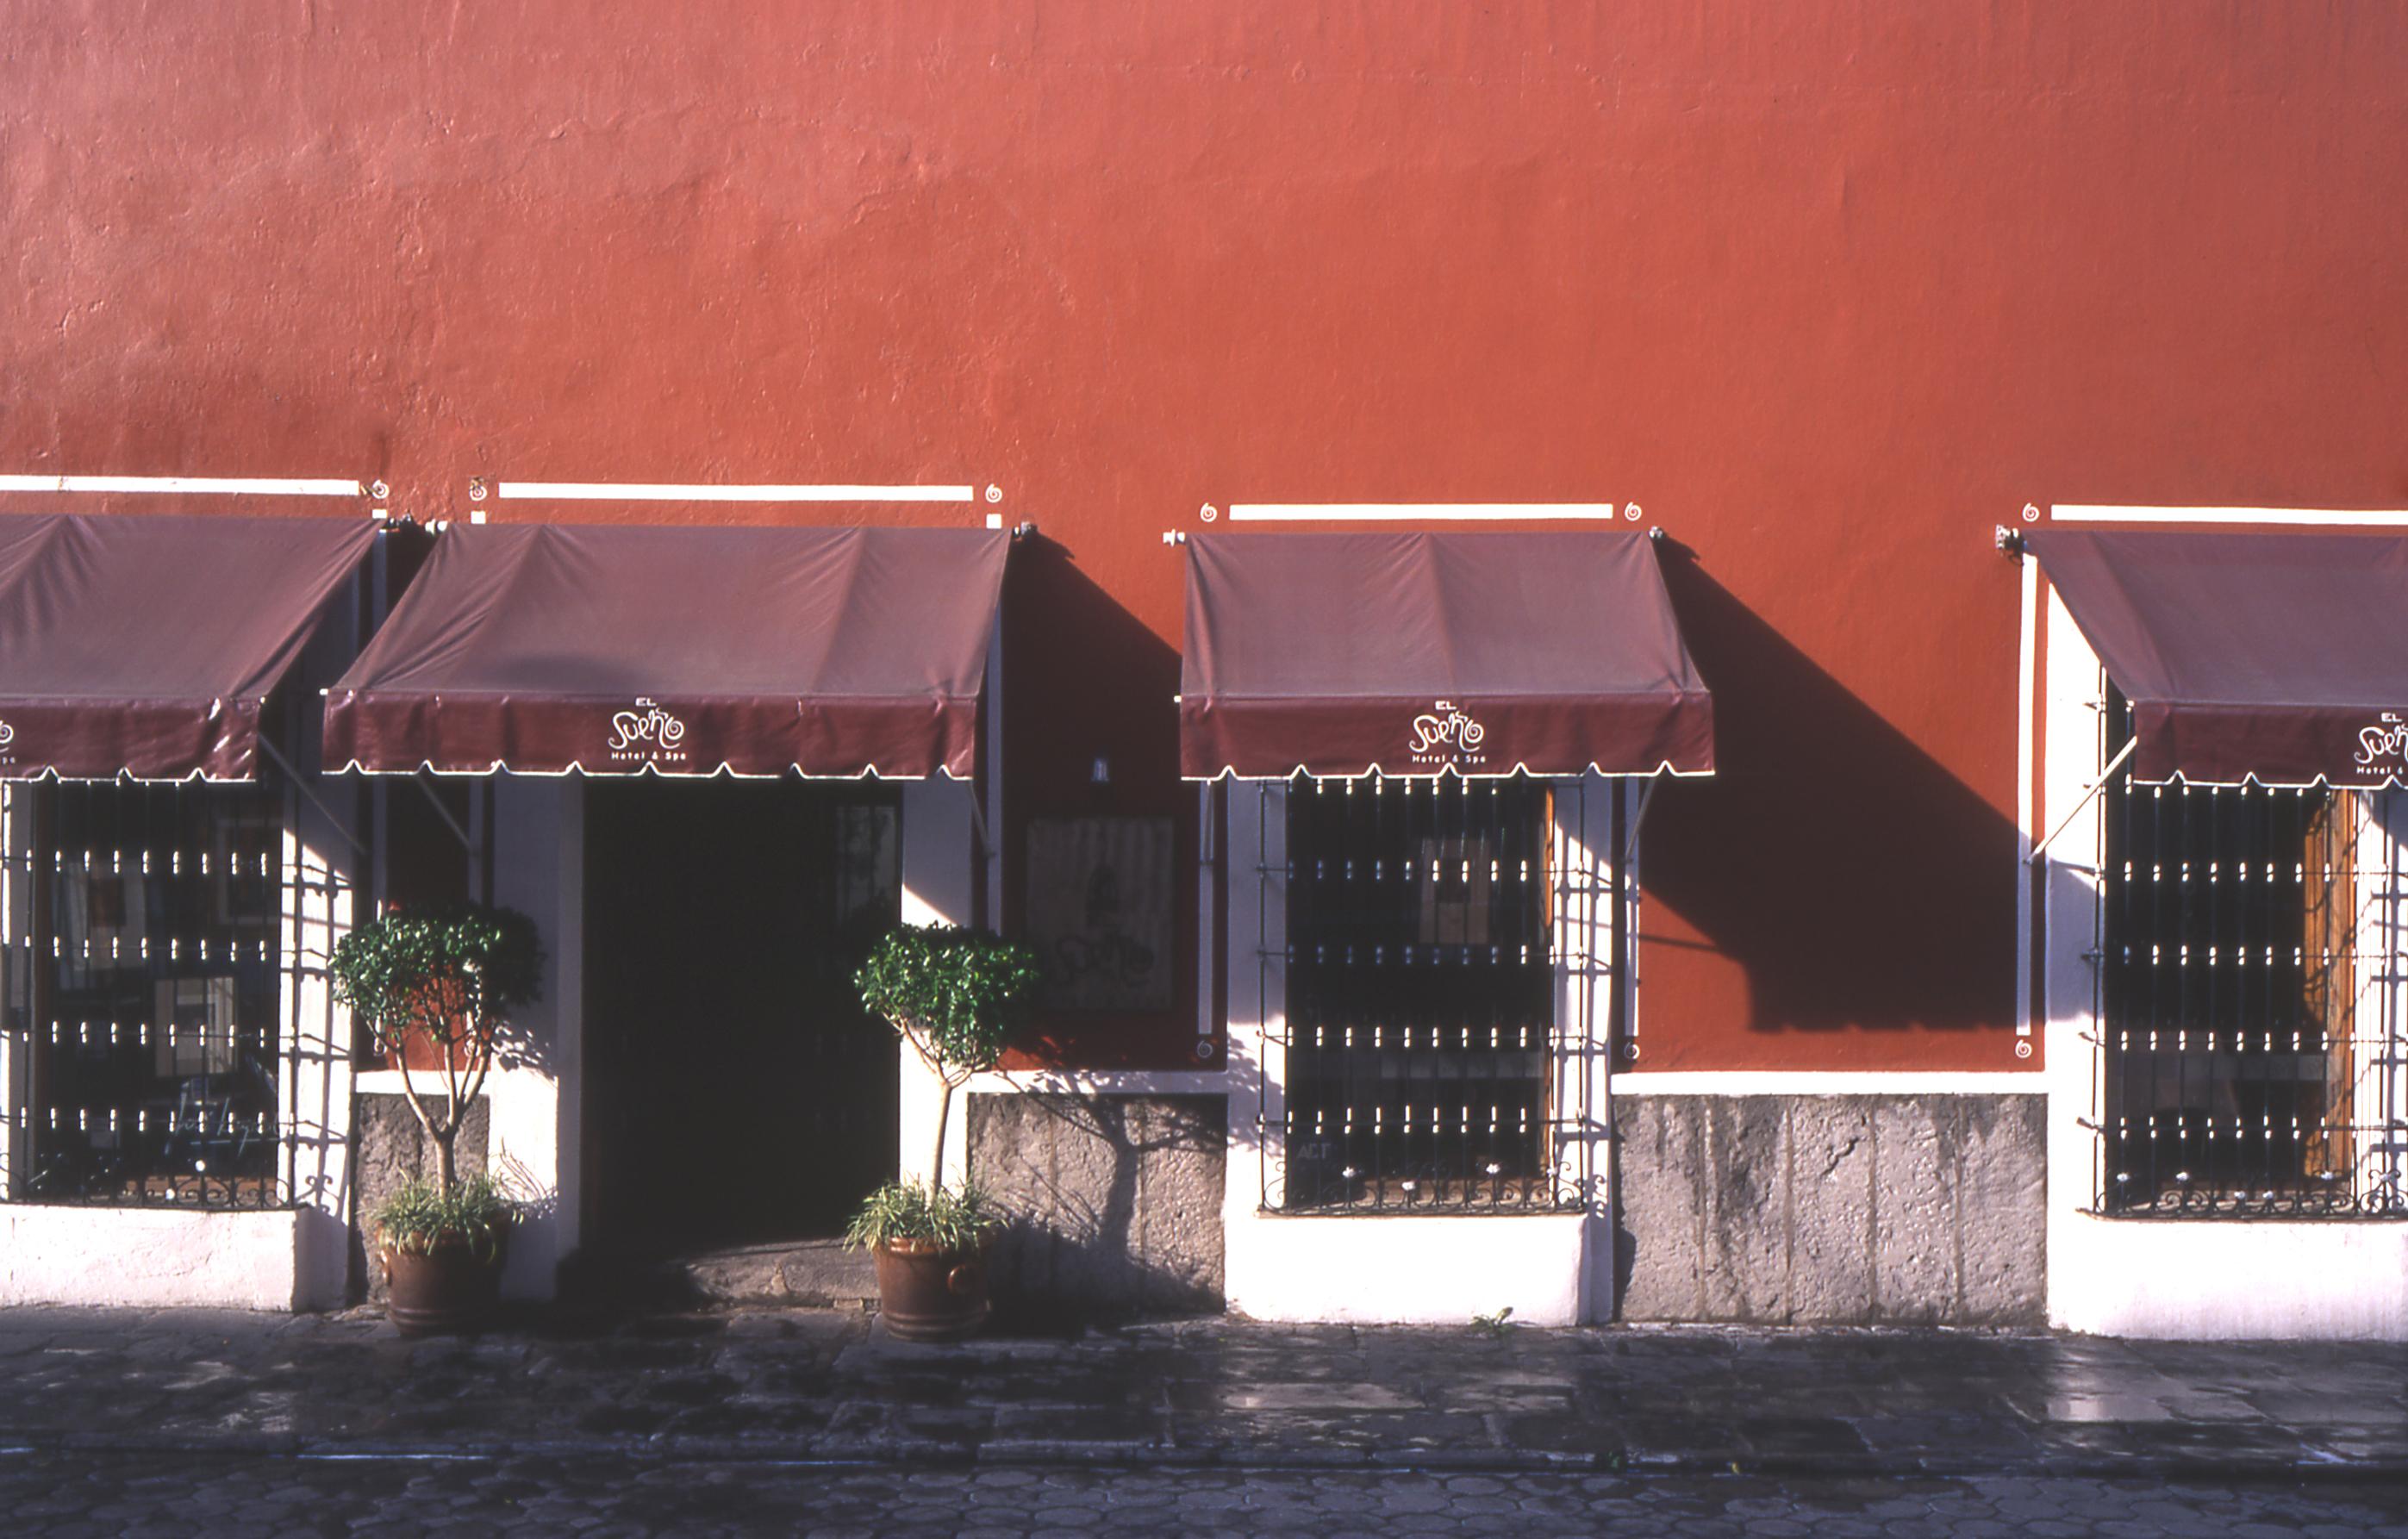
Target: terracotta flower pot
x=452, y=1290
x=927, y=1294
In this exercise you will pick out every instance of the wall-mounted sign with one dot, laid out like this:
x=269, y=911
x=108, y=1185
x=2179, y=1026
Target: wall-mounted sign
x=1101, y=911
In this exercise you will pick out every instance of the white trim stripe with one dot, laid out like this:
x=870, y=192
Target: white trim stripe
x=635, y=492
x=247, y=486
x=1378, y=512
x=2027, y=681
x=1100, y=1082
x=2336, y=516
x=1829, y=1082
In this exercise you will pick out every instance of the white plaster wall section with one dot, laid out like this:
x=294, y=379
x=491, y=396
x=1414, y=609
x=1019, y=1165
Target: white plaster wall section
x=1130, y=1082
x=315, y=1081
x=538, y=840
x=1208, y=893
x=152, y=1259
x=1395, y=1269
x=939, y=884
x=1256, y=987
x=2071, y=696
x=1586, y=872
x=990, y=779
x=2204, y=1281
x=2028, y=623
x=2198, y=1279
x=2375, y=1088
x=565, y=980
x=1407, y=1270
x=533, y=1110
x=16, y=837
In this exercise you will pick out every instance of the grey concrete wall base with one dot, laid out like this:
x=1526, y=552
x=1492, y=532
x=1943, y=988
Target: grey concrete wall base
x=1832, y=1210
x=393, y=1148
x=1116, y=1199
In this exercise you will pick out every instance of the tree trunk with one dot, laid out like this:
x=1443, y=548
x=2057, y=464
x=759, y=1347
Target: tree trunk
x=944, y=1110
x=443, y=1159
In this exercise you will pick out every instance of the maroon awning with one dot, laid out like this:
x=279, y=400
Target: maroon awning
x=146, y=646
x=620, y=651
x=2276, y=658
x=1423, y=654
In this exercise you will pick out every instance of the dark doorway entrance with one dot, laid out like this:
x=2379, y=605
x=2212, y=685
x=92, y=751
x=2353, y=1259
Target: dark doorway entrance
x=735, y=1091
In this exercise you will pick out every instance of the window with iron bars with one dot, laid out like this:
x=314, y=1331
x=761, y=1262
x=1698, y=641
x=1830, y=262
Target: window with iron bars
x=1420, y=996
x=2248, y=1046
x=143, y=958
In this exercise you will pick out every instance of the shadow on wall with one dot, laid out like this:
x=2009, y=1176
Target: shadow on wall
x=1085, y=679
x=1116, y=1202
x=1858, y=882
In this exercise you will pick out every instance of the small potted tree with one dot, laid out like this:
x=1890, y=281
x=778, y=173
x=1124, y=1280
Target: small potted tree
x=958, y=998
x=442, y=981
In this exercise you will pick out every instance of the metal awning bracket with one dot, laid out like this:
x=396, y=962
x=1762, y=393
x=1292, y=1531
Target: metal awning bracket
x=466, y=841
x=2096, y=787
x=1631, y=845
x=267, y=745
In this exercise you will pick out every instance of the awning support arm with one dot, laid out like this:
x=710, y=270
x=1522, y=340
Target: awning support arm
x=2096, y=787
x=267, y=745
x=977, y=823
x=466, y=842
x=1630, y=846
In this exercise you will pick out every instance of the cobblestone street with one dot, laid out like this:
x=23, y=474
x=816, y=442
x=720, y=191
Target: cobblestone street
x=121, y=1422
x=66, y=1494
x=826, y=1387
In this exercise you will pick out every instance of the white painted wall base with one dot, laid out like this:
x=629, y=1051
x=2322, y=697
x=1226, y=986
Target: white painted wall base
x=2226, y=1279
x=2264, y=1279
x=1381, y=1270
x=121, y=1257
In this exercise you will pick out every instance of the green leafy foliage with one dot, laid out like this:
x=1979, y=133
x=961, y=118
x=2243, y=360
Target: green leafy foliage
x=422, y=1215
x=959, y=996
x=448, y=977
x=1496, y=1327
x=452, y=973
x=907, y=1211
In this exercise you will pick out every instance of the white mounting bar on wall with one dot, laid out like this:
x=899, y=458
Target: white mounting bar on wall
x=635, y=492
x=1420, y=512
x=2343, y=517
x=243, y=486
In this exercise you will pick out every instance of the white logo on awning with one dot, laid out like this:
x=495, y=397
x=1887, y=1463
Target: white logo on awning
x=2385, y=742
x=647, y=732
x=1446, y=732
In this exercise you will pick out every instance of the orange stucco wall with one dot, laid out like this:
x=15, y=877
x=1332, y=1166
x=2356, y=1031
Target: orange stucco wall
x=1828, y=290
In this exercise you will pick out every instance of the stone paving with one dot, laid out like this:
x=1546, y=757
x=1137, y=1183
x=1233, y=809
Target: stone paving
x=70, y=1495
x=1227, y=1394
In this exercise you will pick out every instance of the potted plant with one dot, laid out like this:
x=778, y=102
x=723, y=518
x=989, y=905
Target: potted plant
x=444, y=980
x=957, y=998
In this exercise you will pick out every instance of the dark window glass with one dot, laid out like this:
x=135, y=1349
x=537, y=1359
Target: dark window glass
x=144, y=962
x=1421, y=990
x=2233, y=1061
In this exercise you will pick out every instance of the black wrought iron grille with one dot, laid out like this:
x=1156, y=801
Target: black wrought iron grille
x=1421, y=988
x=2247, y=1057
x=143, y=954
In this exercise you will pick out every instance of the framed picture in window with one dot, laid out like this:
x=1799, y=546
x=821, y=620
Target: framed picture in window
x=1101, y=911
x=195, y=1028
x=243, y=865
x=100, y=918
